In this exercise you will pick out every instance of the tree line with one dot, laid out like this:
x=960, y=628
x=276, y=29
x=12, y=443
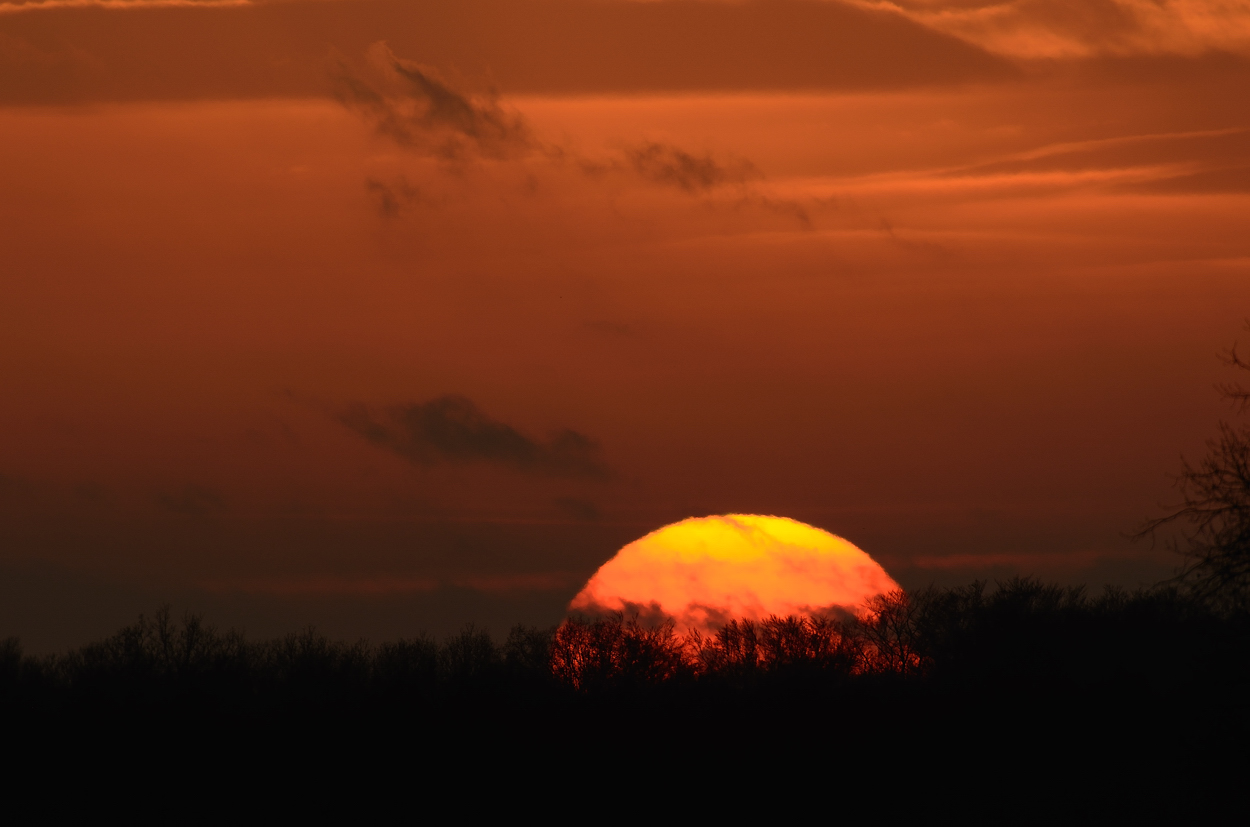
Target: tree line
x=1008, y=685
x=1019, y=633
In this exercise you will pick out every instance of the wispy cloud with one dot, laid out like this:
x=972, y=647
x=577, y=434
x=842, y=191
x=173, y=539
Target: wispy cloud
x=673, y=166
x=44, y=5
x=453, y=430
x=415, y=107
x=381, y=585
x=1022, y=560
x=1199, y=160
x=394, y=197
x=1044, y=28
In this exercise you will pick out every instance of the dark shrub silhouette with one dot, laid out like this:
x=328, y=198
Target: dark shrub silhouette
x=468, y=657
x=408, y=668
x=10, y=666
x=527, y=657
x=747, y=648
x=616, y=652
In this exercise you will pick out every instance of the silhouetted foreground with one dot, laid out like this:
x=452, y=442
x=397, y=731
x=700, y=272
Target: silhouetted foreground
x=1009, y=673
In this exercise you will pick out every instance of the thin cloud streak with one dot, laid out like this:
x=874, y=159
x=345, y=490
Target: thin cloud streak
x=120, y=5
x=453, y=430
x=1082, y=559
x=1045, y=29
x=1068, y=165
x=1019, y=183
x=331, y=585
x=670, y=165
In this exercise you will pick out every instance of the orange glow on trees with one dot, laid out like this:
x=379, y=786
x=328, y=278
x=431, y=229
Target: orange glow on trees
x=705, y=571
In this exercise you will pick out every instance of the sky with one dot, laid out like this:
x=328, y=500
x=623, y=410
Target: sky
x=387, y=316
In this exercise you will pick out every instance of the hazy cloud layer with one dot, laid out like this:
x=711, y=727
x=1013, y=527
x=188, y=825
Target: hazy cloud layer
x=1200, y=161
x=340, y=586
x=1080, y=28
x=1208, y=161
x=452, y=429
x=35, y=6
x=165, y=51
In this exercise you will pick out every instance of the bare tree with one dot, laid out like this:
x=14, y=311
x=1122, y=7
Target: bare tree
x=1215, y=506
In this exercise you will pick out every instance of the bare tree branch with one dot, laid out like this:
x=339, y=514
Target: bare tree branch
x=1215, y=507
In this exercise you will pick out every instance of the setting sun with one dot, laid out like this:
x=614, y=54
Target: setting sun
x=706, y=570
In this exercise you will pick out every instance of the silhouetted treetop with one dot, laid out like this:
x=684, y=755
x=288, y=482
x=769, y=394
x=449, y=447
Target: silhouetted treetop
x=1215, y=506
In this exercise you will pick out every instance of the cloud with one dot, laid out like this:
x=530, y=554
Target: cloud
x=1081, y=28
x=411, y=105
x=322, y=585
x=787, y=207
x=379, y=585
x=222, y=49
x=695, y=174
x=1074, y=559
x=1211, y=160
x=452, y=429
x=665, y=164
x=43, y=5
x=393, y=198
x=414, y=106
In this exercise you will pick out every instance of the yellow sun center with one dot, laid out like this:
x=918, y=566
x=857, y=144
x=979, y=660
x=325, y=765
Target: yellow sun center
x=706, y=570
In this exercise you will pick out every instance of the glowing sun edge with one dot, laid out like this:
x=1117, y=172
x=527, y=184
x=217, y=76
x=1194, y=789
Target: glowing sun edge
x=703, y=571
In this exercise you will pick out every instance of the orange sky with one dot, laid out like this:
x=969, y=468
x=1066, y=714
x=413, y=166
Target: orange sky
x=391, y=315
